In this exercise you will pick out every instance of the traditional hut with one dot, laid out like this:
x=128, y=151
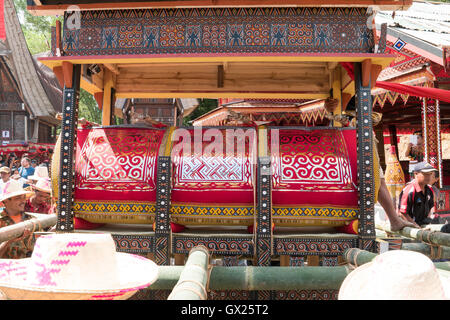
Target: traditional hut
x=30, y=95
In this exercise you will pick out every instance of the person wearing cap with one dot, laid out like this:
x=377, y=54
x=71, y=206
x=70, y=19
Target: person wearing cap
x=13, y=199
x=5, y=177
x=417, y=199
x=40, y=202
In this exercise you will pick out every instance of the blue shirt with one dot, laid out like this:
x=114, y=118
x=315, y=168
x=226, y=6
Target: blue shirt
x=25, y=173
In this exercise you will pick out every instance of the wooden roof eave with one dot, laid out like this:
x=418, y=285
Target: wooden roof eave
x=128, y=61
x=41, y=8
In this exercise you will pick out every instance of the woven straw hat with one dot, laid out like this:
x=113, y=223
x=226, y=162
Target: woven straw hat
x=39, y=173
x=43, y=185
x=13, y=188
x=397, y=275
x=76, y=266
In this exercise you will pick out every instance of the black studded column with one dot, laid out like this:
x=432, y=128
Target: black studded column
x=263, y=237
x=366, y=229
x=162, y=219
x=66, y=179
x=264, y=220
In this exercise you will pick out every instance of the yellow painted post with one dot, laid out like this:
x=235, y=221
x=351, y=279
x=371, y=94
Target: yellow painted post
x=337, y=94
x=108, y=84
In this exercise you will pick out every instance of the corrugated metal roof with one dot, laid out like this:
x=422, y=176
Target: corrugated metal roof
x=428, y=21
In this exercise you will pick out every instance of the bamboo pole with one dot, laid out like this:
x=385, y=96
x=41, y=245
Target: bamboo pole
x=260, y=278
x=194, y=277
x=358, y=257
x=16, y=230
x=433, y=252
x=432, y=237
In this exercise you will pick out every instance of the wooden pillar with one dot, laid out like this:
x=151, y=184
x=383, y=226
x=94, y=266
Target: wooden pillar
x=162, y=218
x=366, y=229
x=263, y=216
x=431, y=134
x=108, y=97
x=337, y=94
x=71, y=96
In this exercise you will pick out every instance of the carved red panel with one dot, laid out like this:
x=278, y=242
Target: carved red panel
x=315, y=167
x=117, y=163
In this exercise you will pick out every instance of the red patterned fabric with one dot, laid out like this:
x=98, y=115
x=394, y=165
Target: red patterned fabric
x=117, y=164
x=208, y=179
x=315, y=167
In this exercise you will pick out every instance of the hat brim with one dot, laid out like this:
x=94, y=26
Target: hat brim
x=42, y=189
x=28, y=194
x=427, y=170
x=357, y=284
x=33, y=177
x=134, y=273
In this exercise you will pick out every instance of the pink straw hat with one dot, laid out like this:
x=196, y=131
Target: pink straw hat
x=13, y=188
x=76, y=266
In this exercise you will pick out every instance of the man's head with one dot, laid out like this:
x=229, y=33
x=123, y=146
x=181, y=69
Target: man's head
x=41, y=197
x=14, y=197
x=25, y=162
x=15, y=204
x=418, y=133
x=424, y=173
x=5, y=173
x=33, y=163
x=43, y=191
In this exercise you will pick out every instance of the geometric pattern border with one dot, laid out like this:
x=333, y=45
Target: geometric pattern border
x=133, y=243
x=219, y=30
x=215, y=245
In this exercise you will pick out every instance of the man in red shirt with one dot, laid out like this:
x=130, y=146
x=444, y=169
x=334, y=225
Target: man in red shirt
x=417, y=199
x=41, y=201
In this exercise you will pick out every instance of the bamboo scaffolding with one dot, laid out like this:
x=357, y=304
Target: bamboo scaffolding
x=431, y=237
x=260, y=278
x=16, y=230
x=194, y=277
x=431, y=251
x=358, y=257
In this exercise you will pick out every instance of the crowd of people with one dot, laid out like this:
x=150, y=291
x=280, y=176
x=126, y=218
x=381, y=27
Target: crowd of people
x=23, y=189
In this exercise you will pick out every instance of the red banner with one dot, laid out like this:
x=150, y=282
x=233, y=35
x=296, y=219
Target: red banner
x=2, y=21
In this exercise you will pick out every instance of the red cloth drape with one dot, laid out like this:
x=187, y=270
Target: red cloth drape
x=2, y=21
x=432, y=93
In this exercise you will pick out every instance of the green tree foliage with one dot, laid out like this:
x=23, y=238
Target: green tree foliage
x=205, y=106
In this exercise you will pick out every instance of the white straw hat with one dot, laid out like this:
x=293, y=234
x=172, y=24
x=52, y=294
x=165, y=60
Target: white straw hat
x=397, y=275
x=76, y=266
x=39, y=173
x=43, y=185
x=13, y=188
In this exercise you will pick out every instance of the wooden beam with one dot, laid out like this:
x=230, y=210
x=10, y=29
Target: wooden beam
x=220, y=76
x=112, y=67
x=346, y=97
x=67, y=68
x=374, y=73
x=58, y=38
x=366, y=71
x=58, y=71
x=58, y=9
x=98, y=96
x=337, y=94
x=108, y=85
